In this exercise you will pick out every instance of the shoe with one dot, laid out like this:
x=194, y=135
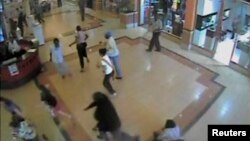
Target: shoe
x=148, y=50
x=99, y=137
x=114, y=94
x=118, y=77
x=63, y=76
x=95, y=129
x=158, y=50
x=81, y=70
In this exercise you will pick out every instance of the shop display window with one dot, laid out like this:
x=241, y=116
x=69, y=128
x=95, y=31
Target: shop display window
x=241, y=52
x=1, y=6
x=174, y=15
x=146, y=11
x=204, y=22
x=1, y=34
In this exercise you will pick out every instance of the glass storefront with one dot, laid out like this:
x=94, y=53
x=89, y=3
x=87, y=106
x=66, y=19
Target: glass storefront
x=234, y=30
x=173, y=12
x=118, y=6
x=174, y=15
x=241, y=52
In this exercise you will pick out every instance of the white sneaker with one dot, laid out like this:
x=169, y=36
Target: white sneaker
x=114, y=94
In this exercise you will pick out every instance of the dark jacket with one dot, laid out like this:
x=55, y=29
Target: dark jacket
x=105, y=114
x=21, y=20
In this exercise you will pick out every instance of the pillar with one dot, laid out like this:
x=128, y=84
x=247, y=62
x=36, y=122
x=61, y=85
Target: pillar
x=218, y=32
x=26, y=6
x=189, y=25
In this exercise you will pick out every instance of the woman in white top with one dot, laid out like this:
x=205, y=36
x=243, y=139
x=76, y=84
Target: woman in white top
x=108, y=70
x=170, y=133
x=56, y=56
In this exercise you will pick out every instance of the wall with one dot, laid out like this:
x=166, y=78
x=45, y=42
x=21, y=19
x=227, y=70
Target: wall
x=206, y=7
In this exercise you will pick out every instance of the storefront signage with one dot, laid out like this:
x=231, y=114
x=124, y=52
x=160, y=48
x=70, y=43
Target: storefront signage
x=13, y=69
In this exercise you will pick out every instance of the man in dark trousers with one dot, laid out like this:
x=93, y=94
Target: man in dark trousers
x=21, y=21
x=157, y=27
x=39, y=14
x=82, y=4
x=81, y=45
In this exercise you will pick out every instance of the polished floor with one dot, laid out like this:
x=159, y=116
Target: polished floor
x=192, y=89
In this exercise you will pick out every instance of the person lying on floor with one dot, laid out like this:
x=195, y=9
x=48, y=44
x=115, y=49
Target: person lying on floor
x=171, y=132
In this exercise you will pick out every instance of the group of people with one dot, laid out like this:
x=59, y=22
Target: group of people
x=21, y=22
x=20, y=126
x=109, y=123
x=109, y=61
x=18, y=25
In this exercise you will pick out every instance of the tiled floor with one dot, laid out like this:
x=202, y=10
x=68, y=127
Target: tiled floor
x=192, y=89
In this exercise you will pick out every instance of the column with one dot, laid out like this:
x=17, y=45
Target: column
x=26, y=6
x=218, y=32
x=189, y=25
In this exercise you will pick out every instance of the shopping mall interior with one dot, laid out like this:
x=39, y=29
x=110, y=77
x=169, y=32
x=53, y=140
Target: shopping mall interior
x=200, y=76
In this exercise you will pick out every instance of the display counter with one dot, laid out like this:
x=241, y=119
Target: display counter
x=18, y=71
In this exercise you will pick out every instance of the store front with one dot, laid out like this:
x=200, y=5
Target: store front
x=112, y=5
x=145, y=10
x=173, y=12
x=174, y=16
x=241, y=52
x=222, y=28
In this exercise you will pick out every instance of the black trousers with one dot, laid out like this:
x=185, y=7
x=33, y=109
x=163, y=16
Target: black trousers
x=39, y=18
x=107, y=84
x=82, y=12
x=81, y=50
x=155, y=41
x=21, y=29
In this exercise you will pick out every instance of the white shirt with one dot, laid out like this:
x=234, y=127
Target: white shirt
x=80, y=37
x=57, y=54
x=13, y=46
x=170, y=134
x=112, y=47
x=107, y=68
